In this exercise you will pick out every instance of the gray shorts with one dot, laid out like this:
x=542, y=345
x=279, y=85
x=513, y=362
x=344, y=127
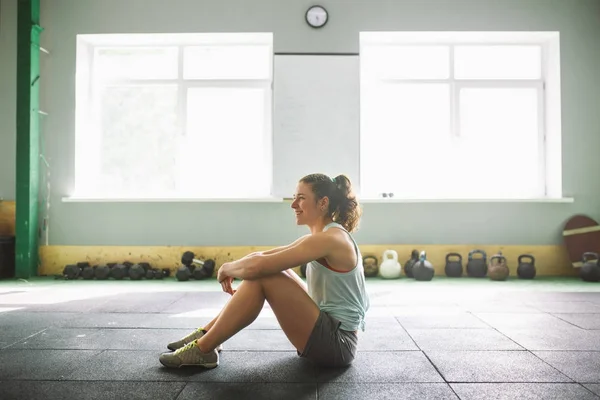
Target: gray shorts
x=328, y=345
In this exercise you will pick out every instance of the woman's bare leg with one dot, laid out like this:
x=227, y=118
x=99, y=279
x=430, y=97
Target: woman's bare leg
x=294, y=309
x=290, y=272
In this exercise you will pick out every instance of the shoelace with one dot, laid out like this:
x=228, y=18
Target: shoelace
x=185, y=348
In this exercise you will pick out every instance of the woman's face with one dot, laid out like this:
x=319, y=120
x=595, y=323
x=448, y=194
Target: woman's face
x=308, y=210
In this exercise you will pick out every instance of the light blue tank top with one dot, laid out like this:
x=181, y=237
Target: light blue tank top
x=341, y=294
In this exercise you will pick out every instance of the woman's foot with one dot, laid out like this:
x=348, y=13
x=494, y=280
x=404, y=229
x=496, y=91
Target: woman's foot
x=192, y=337
x=191, y=356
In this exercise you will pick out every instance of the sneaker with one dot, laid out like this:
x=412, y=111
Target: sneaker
x=197, y=334
x=190, y=355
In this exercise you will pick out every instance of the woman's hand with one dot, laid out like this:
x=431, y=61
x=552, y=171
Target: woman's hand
x=225, y=280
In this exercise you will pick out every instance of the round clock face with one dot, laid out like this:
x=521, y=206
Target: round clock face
x=316, y=16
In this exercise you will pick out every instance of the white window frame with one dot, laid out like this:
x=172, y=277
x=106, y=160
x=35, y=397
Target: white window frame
x=547, y=87
x=88, y=101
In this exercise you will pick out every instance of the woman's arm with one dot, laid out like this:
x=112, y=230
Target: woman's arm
x=276, y=249
x=302, y=251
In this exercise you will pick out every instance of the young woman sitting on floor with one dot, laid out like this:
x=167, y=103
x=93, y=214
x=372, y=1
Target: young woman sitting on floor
x=320, y=318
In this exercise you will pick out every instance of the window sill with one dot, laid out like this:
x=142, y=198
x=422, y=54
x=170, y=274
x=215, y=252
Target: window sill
x=539, y=200
x=169, y=200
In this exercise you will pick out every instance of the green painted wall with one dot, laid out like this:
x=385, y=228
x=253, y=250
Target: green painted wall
x=269, y=224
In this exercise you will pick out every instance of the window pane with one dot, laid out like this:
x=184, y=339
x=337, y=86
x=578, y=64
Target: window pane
x=227, y=62
x=404, y=135
x=138, y=140
x=499, y=143
x=405, y=62
x=498, y=62
x=135, y=63
x=226, y=145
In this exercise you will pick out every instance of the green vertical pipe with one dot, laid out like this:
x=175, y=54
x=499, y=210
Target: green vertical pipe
x=28, y=133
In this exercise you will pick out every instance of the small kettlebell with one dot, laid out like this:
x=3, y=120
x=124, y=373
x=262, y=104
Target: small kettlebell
x=497, y=269
x=526, y=269
x=370, y=266
x=454, y=268
x=590, y=270
x=477, y=267
x=408, y=267
x=390, y=268
x=423, y=269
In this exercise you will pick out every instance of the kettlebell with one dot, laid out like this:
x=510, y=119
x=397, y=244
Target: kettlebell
x=408, y=267
x=477, y=267
x=590, y=271
x=390, y=268
x=453, y=269
x=370, y=266
x=497, y=269
x=423, y=270
x=526, y=269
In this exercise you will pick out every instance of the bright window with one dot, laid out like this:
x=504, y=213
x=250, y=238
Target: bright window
x=459, y=115
x=174, y=116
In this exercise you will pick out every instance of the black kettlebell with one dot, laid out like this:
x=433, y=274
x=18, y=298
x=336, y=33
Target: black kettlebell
x=526, y=269
x=477, y=267
x=590, y=270
x=408, y=266
x=453, y=269
x=423, y=269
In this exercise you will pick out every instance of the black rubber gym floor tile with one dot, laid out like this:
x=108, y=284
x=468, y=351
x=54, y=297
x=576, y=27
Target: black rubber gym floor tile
x=119, y=320
x=256, y=367
x=253, y=391
x=27, y=323
x=197, y=300
x=102, y=339
x=48, y=390
x=66, y=306
x=383, y=367
x=498, y=307
x=234, y=366
x=522, y=321
x=384, y=334
x=493, y=366
x=569, y=338
x=127, y=365
x=581, y=366
x=462, y=339
x=138, y=303
x=442, y=321
x=385, y=391
x=584, y=321
x=524, y=391
x=566, y=307
x=594, y=387
x=42, y=364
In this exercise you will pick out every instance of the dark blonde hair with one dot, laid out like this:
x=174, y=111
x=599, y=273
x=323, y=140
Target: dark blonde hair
x=343, y=206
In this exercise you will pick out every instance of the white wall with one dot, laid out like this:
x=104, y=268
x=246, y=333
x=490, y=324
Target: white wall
x=270, y=224
x=8, y=98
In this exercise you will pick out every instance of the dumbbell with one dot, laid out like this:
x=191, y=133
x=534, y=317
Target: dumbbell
x=118, y=271
x=206, y=271
x=138, y=271
x=183, y=273
x=102, y=272
x=88, y=272
x=207, y=267
x=71, y=271
x=74, y=271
